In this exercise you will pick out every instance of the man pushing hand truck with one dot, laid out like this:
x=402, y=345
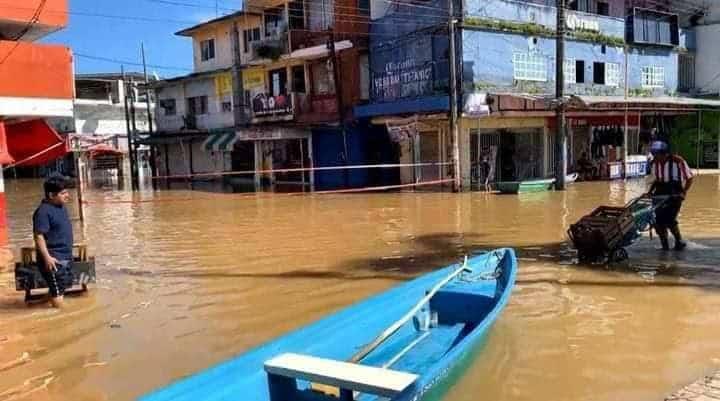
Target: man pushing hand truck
x=672, y=181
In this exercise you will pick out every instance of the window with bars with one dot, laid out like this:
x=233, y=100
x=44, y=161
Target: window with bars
x=569, y=71
x=529, y=67
x=612, y=74
x=653, y=77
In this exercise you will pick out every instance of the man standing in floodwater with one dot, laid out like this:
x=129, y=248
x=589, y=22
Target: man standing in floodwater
x=673, y=180
x=53, y=234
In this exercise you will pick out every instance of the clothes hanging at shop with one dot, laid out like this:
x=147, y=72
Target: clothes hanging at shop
x=603, y=136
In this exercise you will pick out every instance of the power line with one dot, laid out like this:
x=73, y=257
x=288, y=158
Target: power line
x=126, y=62
x=357, y=19
x=33, y=20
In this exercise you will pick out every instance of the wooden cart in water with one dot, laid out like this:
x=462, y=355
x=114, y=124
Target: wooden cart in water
x=29, y=278
x=603, y=235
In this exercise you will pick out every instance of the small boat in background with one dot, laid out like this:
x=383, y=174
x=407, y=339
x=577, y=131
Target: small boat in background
x=397, y=346
x=527, y=186
x=519, y=187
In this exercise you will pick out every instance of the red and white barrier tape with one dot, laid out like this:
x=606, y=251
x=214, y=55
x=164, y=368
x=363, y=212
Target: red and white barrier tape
x=34, y=156
x=298, y=170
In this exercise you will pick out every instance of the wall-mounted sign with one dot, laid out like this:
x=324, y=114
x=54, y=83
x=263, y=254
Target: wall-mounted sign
x=407, y=78
x=268, y=133
x=264, y=104
x=223, y=84
x=575, y=22
x=254, y=78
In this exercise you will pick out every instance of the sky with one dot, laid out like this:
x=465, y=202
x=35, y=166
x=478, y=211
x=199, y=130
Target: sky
x=114, y=29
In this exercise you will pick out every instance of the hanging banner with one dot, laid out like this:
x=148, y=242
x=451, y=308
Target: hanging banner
x=254, y=79
x=223, y=84
x=400, y=130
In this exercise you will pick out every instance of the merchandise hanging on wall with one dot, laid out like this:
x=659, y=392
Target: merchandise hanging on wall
x=402, y=129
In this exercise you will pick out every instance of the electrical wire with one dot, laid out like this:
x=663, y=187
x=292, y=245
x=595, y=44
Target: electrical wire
x=33, y=20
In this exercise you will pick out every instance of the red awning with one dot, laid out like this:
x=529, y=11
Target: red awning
x=102, y=149
x=34, y=143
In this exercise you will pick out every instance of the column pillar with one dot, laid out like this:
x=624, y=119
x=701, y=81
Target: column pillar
x=5, y=158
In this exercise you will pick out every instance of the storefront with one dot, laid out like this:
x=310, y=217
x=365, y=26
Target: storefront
x=279, y=148
x=596, y=145
x=422, y=144
x=495, y=149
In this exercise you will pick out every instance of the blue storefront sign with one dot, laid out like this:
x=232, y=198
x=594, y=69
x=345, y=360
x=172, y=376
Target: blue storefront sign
x=408, y=59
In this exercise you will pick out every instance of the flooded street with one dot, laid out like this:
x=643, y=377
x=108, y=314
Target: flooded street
x=188, y=279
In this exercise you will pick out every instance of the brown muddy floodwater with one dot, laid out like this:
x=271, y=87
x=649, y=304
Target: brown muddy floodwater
x=188, y=279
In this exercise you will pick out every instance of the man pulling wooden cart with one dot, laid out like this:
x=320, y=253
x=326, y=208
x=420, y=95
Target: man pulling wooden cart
x=54, y=267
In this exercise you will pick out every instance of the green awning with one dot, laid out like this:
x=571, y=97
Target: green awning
x=220, y=142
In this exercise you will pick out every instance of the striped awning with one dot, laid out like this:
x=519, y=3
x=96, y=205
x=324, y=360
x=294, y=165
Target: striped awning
x=220, y=142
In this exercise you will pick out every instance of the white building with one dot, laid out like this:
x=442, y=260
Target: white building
x=99, y=122
x=707, y=58
x=190, y=109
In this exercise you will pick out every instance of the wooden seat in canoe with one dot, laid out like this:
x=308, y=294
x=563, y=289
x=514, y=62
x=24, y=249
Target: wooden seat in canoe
x=283, y=371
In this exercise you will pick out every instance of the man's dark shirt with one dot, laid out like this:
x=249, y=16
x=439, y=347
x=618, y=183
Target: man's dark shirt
x=53, y=223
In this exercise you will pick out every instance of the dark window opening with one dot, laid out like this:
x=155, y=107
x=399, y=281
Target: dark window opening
x=579, y=71
x=207, y=49
x=249, y=36
x=579, y=5
x=603, y=49
x=603, y=8
x=278, y=82
x=297, y=15
x=274, y=21
x=364, y=7
x=599, y=73
x=169, y=106
x=197, y=105
x=298, y=79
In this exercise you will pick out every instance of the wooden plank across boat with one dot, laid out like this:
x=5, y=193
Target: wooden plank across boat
x=399, y=345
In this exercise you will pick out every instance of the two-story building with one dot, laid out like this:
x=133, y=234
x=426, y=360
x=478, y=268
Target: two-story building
x=621, y=58
x=273, y=89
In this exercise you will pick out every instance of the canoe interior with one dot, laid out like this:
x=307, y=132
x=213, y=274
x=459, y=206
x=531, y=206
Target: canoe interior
x=514, y=187
x=465, y=309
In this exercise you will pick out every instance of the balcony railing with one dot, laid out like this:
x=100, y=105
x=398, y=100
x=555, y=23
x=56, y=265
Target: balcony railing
x=271, y=48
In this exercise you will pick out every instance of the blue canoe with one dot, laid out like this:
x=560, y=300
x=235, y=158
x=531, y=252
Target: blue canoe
x=419, y=360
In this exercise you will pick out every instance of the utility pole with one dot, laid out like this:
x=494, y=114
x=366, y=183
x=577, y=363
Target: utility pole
x=560, y=135
x=239, y=105
x=339, y=99
x=153, y=167
x=128, y=128
x=457, y=185
x=627, y=124
x=133, y=131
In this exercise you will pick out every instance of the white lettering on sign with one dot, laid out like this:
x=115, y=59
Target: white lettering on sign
x=574, y=22
x=403, y=79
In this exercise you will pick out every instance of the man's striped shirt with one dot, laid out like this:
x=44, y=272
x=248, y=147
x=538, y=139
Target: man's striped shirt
x=674, y=168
